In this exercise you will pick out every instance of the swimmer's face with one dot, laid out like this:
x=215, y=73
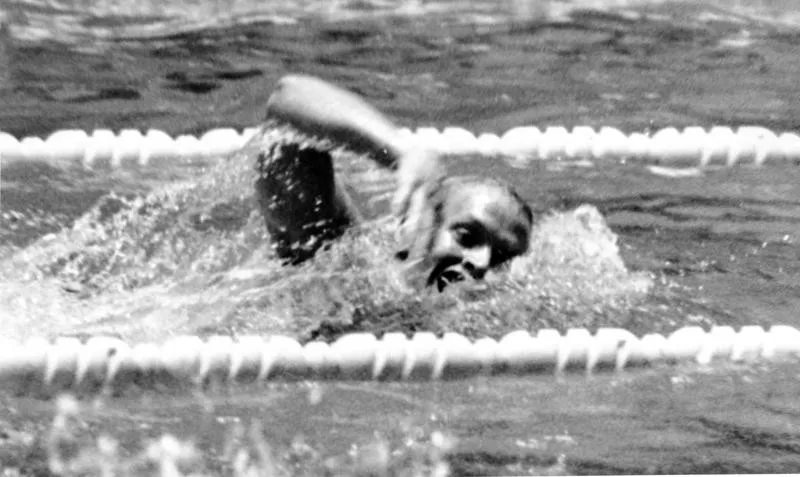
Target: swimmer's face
x=466, y=226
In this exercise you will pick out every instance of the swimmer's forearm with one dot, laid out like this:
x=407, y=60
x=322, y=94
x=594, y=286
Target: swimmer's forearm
x=322, y=109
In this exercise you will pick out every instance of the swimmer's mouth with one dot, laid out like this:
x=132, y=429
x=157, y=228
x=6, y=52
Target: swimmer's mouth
x=446, y=271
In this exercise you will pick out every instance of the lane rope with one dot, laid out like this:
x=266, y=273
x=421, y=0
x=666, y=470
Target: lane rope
x=43, y=368
x=692, y=146
x=102, y=364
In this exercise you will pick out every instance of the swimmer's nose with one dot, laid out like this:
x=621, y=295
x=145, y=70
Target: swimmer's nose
x=476, y=261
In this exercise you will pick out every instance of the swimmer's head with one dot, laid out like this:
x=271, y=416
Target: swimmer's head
x=458, y=226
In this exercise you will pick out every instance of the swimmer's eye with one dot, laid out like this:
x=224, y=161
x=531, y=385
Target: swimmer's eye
x=469, y=237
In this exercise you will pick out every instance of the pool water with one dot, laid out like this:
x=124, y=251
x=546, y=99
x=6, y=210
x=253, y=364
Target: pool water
x=179, y=249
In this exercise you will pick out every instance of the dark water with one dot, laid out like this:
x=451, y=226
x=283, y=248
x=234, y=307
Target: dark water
x=667, y=421
x=722, y=247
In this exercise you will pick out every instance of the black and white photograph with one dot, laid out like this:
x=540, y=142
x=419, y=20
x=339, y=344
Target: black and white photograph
x=399, y=238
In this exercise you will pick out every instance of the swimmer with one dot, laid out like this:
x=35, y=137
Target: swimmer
x=447, y=226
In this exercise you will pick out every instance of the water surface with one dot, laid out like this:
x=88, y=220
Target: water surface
x=720, y=248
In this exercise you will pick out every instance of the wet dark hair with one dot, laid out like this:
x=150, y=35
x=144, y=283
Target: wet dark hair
x=503, y=185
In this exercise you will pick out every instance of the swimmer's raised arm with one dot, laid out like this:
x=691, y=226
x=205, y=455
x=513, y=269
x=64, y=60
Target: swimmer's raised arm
x=321, y=109
x=324, y=110
x=448, y=227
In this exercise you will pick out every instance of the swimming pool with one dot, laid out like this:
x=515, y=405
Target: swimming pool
x=714, y=248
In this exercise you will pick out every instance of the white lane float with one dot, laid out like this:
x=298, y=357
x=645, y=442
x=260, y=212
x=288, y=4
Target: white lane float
x=459, y=141
x=716, y=146
x=490, y=145
x=693, y=146
x=189, y=148
x=579, y=145
x=553, y=143
x=638, y=145
x=100, y=149
x=789, y=146
x=764, y=143
x=610, y=144
x=127, y=149
x=67, y=146
x=662, y=146
x=34, y=148
x=10, y=148
x=220, y=142
x=157, y=147
x=43, y=368
x=430, y=138
x=521, y=144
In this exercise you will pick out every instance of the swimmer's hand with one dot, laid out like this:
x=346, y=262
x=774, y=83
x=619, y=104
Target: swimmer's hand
x=420, y=171
x=419, y=179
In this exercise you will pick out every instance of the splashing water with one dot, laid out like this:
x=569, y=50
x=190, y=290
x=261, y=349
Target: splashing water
x=194, y=257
